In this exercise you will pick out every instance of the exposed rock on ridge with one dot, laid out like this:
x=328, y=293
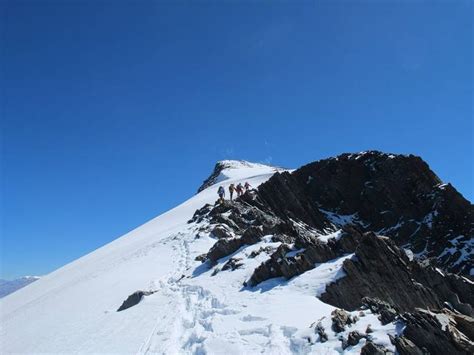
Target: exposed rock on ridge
x=393, y=195
x=341, y=206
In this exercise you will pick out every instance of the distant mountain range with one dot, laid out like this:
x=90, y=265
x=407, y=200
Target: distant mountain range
x=9, y=286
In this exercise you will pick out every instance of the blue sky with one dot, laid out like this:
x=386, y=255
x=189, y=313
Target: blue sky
x=113, y=112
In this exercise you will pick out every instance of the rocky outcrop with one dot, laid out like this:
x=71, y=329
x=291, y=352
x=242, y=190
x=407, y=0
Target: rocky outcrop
x=354, y=337
x=133, y=299
x=227, y=246
x=340, y=319
x=374, y=349
x=435, y=333
x=386, y=311
x=212, y=179
x=381, y=270
x=356, y=198
x=232, y=264
x=287, y=199
x=313, y=251
x=394, y=195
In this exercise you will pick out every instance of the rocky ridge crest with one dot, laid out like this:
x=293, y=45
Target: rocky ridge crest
x=411, y=235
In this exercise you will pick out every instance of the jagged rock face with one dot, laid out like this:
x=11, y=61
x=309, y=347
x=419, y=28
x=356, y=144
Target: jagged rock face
x=435, y=333
x=358, y=197
x=374, y=349
x=381, y=270
x=285, y=197
x=313, y=251
x=394, y=195
x=218, y=168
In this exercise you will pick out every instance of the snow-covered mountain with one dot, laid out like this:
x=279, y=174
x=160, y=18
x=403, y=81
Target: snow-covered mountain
x=9, y=286
x=293, y=266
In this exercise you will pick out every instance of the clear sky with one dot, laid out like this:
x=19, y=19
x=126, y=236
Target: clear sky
x=113, y=112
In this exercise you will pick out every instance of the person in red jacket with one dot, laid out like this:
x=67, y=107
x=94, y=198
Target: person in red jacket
x=239, y=189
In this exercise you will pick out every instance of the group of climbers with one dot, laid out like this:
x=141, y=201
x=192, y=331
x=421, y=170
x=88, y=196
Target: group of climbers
x=239, y=189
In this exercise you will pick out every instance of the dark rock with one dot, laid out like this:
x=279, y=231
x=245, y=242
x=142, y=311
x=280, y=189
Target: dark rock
x=133, y=299
x=201, y=213
x=319, y=329
x=270, y=268
x=354, y=337
x=381, y=270
x=212, y=179
x=424, y=330
x=287, y=199
x=279, y=265
x=344, y=343
x=368, y=330
x=387, y=316
x=395, y=195
x=232, y=264
x=374, y=349
x=407, y=347
x=202, y=257
x=222, y=248
x=464, y=323
x=266, y=250
x=387, y=312
x=252, y=235
x=283, y=238
x=220, y=232
x=456, y=290
x=340, y=319
x=350, y=239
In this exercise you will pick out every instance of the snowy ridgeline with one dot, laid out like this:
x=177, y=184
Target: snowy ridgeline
x=191, y=308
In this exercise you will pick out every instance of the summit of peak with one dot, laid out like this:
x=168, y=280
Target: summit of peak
x=238, y=164
x=231, y=169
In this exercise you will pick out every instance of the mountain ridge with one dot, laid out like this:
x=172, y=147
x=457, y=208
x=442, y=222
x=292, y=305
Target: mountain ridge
x=291, y=266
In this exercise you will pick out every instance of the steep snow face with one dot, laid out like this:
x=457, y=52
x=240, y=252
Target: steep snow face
x=10, y=286
x=194, y=309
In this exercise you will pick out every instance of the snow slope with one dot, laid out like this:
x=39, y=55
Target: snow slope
x=73, y=309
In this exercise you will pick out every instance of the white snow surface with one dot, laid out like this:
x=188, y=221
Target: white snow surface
x=242, y=170
x=73, y=309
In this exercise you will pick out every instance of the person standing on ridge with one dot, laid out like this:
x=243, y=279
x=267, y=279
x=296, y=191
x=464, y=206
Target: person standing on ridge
x=231, y=190
x=221, y=193
x=247, y=186
x=239, y=189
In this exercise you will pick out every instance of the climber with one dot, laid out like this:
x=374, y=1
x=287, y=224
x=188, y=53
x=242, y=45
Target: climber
x=231, y=190
x=221, y=193
x=239, y=189
x=247, y=186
